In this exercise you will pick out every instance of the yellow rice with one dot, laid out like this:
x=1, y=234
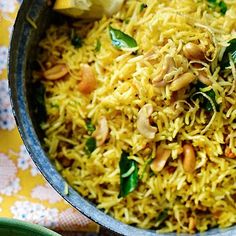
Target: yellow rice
x=124, y=87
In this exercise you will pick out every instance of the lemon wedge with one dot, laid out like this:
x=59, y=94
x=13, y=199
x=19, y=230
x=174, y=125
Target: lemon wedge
x=87, y=8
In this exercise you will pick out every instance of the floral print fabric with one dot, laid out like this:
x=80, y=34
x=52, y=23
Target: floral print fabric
x=34, y=201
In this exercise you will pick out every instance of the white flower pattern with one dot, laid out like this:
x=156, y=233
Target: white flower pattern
x=7, y=121
x=7, y=170
x=7, y=6
x=35, y=213
x=46, y=192
x=12, y=188
x=9, y=183
x=3, y=57
x=24, y=162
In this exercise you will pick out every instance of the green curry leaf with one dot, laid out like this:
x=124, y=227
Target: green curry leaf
x=219, y=5
x=223, y=7
x=205, y=103
x=128, y=183
x=143, y=6
x=121, y=40
x=230, y=51
x=76, y=40
x=90, y=127
x=90, y=145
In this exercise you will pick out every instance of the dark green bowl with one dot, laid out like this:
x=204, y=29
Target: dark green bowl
x=12, y=227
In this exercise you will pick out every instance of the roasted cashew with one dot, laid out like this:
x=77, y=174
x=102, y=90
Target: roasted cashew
x=193, y=51
x=189, y=161
x=88, y=82
x=101, y=132
x=143, y=124
x=182, y=81
x=56, y=72
x=159, y=162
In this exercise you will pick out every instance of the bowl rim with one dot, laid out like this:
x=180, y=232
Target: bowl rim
x=22, y=32
x=26, y=226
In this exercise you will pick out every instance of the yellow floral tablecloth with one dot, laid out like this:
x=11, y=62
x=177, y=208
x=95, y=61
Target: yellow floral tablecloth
x=24, y=194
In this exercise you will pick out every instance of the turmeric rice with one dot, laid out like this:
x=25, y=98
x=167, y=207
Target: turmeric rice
x=141, y=110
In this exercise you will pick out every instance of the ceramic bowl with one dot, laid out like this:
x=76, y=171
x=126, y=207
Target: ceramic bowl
x=22, y=53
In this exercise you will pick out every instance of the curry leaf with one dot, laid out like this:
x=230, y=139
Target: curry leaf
x=223, y=7
x=90, y=127
x=76, y=40
x=218, y=5
x=90, y=145
x=143, y=6
x=230, y=51
x=205, y=103
x=121, y=40
x=129, y=181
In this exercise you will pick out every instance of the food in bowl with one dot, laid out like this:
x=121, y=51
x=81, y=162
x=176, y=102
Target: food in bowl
x=138, y=111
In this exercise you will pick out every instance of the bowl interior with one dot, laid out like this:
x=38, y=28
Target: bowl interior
x=22, y=54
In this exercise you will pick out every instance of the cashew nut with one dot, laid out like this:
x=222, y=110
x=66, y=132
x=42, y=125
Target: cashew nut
x=88, y=82
x=189, y=161
x=159, y=162
x=101, y=132
x=182, y=81
x=143, y=124
x=167, y=67
x=56, y=72
x=193, y=51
